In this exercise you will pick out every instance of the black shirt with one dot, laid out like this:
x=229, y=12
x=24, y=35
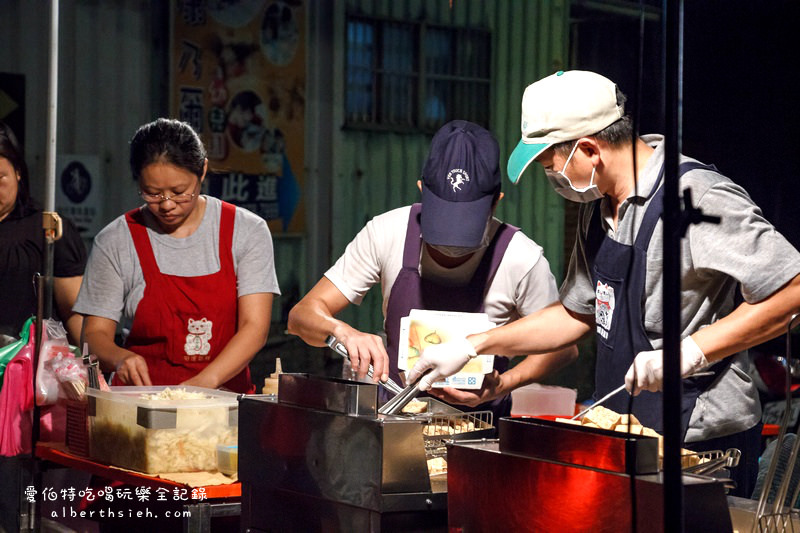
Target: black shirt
x=22, y=255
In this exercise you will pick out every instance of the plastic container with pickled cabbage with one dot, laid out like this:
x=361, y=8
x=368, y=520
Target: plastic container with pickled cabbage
x=161, y=436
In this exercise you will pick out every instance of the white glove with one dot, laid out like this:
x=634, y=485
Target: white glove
x=444, y=360
x=649, y=367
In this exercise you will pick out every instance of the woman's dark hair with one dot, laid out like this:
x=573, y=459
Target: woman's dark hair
x=12, y=150
x=167, y=140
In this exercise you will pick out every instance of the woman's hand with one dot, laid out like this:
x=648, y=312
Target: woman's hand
x=133, y=371
x=201, y=380
x=130, y=367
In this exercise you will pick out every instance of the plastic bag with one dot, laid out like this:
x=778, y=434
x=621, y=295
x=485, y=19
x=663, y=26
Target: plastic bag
x=54, y=346
x=16, y=401
x=8, y=351
x=71, y=375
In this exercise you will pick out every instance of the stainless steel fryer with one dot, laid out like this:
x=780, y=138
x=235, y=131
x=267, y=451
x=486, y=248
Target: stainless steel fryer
x=321, y=457
x=543, y=475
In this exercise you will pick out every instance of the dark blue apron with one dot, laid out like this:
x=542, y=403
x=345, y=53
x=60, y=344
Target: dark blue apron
x=411, y=291
x=618, y=274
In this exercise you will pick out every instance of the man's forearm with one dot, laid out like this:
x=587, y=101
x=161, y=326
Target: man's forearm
x=312, y=323
x=537, y=367
x=750, y=324
x=550, y=330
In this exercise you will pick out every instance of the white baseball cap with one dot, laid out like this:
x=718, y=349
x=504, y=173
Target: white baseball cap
x=563, y=107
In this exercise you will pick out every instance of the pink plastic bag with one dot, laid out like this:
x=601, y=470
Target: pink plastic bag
x=16, y=403
x=16, y=406
x=53, y=423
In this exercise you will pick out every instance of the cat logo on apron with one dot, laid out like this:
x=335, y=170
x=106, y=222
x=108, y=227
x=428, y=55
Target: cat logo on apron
x=198, y=337
x=604, y=308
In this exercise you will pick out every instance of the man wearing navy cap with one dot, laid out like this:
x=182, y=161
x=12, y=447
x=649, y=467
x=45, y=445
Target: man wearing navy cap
x=574, y=125
x=448, y=254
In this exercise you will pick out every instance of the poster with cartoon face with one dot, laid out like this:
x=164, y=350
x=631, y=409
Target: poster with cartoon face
x=237, y=75
x=604, y=305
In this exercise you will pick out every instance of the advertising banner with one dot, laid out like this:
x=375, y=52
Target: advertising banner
x=238, y=76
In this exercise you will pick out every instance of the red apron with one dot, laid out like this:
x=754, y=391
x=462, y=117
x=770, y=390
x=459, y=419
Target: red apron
x=182, y=323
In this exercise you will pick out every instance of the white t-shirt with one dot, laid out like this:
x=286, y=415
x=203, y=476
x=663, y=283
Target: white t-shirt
x=522, y=285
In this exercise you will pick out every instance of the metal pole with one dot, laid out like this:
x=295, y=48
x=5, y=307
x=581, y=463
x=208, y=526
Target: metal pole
x=50, y=222
x=673, y=49
x=52, y=108
x=51, y=227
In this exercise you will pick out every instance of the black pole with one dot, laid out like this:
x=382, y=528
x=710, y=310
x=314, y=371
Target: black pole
x=673, y=74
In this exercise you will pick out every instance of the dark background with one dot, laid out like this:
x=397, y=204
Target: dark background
x=740, y=99
x=740, y=86
x=741, y=77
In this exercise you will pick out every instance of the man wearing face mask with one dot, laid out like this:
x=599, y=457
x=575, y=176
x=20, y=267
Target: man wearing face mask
x=574, y=125
x=447, y=253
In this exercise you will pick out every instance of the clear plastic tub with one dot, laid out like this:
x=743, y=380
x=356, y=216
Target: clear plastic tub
x=228, y=459
x=537, y=399
x=159, y=436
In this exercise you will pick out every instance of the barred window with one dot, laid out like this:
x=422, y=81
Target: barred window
x=404, y=76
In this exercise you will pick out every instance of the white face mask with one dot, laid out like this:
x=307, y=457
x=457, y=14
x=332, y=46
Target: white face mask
x=461, y=251
x=563, y=186
x=453, y=251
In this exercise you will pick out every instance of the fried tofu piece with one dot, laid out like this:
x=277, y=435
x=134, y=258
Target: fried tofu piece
x=650, y=432
x=689, y=458
x=623, y=420
x=415, y=407
x=602, y=417
x=436, y=466
x=633, y=429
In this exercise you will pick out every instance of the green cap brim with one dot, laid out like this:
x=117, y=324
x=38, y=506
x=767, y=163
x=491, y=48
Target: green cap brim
x=521, y=157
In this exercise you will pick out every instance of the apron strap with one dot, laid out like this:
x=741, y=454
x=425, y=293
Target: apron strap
x=491, y=259
x=413, y=243
x=141, y=241
x=226, y=226
x=651, y=216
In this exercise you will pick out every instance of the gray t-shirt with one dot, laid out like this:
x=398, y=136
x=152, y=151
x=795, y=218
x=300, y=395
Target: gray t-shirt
x=743, y=249
x=113, y=284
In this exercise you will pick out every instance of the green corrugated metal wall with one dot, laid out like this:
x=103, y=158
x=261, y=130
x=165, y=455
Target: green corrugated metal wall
x=375, y=172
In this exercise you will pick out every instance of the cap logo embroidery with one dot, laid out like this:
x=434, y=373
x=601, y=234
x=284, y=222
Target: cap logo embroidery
x=457, y=177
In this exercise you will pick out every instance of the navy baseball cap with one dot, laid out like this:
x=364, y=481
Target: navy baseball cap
x=459, y=182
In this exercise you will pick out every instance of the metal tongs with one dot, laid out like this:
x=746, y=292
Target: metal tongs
x=728, y=459
x=622, y=387
x=396, y=404
x=770, y=515
x=339, y=348
x=91, y=368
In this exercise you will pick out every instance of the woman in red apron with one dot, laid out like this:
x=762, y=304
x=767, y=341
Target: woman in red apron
x=187, y=330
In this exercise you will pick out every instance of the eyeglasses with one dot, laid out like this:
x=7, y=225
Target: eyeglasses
x=181, y=198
